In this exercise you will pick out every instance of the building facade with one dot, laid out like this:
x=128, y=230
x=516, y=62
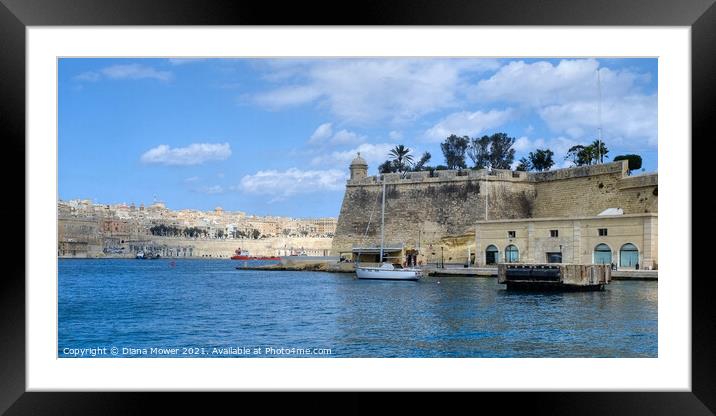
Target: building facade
x=628, y=241
x=78, y=237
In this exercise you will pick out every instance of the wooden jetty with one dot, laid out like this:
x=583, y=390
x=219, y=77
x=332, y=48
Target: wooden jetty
x=553, y=276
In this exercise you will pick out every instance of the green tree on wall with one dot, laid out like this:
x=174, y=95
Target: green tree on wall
x=491, y=151
x=421, y=164
x=401, y=157
x=388, y=167
x=578, y=155
x=599, y=151
x=590, y=154
x=479, y=152
x=400, y=160
x=541, y=159
x=634, y=161
x=454, y=148
x=501, y=152
x=524, y=165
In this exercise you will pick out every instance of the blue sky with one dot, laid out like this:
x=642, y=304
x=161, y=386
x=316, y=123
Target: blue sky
x=275, y=136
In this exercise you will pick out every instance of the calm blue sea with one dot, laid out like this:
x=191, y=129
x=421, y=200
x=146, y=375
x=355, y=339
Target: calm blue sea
x=207, y=308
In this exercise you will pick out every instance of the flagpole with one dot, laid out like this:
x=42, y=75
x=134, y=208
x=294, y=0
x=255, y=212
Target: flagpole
x=599, y=138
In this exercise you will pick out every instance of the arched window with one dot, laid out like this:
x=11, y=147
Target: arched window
x=491, y=254
x=602, y=254
x=628, y=255
x=512, y=255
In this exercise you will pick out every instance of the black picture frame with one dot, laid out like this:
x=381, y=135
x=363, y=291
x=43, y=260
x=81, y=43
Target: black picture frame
x=16, y=15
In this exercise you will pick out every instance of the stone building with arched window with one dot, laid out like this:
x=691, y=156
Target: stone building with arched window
x=628, y=241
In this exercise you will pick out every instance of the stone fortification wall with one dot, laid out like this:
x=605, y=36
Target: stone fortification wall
x=588, y=190
x=423, y=208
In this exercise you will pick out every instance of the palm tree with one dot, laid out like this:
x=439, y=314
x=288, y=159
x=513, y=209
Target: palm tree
x=599, y=151
x=400, y=154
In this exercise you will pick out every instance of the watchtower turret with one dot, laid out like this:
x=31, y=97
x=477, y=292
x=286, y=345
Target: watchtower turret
x=359, y=168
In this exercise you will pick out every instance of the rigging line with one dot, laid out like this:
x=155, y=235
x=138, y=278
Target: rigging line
x=370, y=218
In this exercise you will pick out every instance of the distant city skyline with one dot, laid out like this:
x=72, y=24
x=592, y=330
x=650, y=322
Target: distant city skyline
x=274, y=137
x=139, y=205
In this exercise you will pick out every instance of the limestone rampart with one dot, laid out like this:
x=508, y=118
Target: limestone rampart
x=424, y=208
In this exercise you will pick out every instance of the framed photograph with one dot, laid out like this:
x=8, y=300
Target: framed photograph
x=461, y=198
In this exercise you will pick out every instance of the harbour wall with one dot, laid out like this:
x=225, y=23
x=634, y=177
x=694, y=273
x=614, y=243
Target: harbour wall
x=212, y=248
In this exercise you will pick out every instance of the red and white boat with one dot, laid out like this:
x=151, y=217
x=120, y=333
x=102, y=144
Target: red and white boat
x=244, y=255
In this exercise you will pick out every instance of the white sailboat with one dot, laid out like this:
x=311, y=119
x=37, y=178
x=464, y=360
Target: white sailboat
x=386, y=271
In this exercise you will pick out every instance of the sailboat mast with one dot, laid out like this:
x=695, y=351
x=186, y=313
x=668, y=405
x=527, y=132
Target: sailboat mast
x=382, y=224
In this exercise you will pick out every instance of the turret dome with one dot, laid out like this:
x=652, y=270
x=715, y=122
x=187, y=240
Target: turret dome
x=359, y=161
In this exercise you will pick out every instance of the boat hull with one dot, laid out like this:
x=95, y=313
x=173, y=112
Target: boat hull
x=377, y=273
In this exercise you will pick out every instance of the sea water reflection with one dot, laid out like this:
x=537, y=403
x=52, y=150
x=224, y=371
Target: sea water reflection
x=215, y=310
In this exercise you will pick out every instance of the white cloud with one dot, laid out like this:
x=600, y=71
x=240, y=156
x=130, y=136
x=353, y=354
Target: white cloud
x=542, y=83
x=395, y=135
x=287, y=97
x=346, y=137
x=125, y=71
x=135, y=71
x=191, y=179
x=374, y=154
x=566, y=97
x=367, y=91
x=211, y=190
x=193, y=154
x=466, y=123
x=324, y=135
x=628, y=121
x=525, y=145
x=282, y=184
x=560, y=146
x=89, y=76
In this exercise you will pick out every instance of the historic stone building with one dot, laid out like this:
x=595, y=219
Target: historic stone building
x=444, y=215
x=78, y=237
x=627, y=241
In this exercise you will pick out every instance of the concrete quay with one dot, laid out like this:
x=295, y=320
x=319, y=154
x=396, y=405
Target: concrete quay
x=635, y=275
x=330, y=265
x=462, y=271
x=492, y=272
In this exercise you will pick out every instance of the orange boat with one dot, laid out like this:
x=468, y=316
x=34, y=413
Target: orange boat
x=244, y=255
